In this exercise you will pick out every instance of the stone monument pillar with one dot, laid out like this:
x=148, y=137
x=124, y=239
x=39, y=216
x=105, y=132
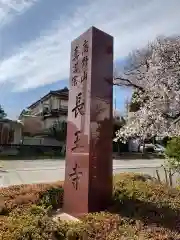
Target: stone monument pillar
x=88, y=172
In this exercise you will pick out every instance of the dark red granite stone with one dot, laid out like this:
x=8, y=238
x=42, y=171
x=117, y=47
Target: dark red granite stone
x=88, y=172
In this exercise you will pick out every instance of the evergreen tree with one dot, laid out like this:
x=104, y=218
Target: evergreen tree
x=2, y=113
x=58, y=130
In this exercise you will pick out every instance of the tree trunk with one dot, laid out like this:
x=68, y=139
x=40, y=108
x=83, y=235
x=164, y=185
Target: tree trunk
x=143, y=151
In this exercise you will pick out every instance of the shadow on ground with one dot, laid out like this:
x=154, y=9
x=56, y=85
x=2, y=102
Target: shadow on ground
x=134, y=156
x=149, y=213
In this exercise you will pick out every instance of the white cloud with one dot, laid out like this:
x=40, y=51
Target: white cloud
x=132, y=23
x=9, y=9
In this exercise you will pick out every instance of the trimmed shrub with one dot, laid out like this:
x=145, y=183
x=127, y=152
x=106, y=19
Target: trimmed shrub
x=173, y=148
x=142, y=209
x=52, y=197
x=173, y=154
x=148, y=201
x=28, y=225
x=23, y=196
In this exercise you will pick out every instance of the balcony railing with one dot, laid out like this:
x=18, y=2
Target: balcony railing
x=55, y=111
x=63, y=107
x=50, y=110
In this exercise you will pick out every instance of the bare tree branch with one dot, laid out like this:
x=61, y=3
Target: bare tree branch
x=126, y=82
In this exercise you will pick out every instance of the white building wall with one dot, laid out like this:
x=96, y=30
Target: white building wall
x=53, y=102
x=58, y=103
x=64, y=103
x=17, y=134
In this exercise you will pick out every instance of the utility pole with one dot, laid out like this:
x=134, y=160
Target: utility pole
x=126, y=107
x=115, y=98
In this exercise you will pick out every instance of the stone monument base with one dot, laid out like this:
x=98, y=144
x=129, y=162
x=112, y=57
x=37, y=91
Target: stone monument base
x=64, y=216
x=60, y=215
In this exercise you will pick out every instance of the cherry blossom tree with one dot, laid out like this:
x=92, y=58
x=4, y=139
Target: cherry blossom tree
x=154, y=73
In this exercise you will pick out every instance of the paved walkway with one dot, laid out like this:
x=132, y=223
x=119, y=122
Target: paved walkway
x=37, y=171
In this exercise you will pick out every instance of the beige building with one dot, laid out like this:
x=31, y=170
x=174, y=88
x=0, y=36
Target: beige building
x=43, y=113
x=32, y=124
x=10, y=132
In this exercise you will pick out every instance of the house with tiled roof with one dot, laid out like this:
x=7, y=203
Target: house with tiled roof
x=46, y=111
x=49, y=110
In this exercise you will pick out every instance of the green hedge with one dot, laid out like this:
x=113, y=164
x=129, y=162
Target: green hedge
x=141, y=209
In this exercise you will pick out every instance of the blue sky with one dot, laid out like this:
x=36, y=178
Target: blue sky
x=35, y=37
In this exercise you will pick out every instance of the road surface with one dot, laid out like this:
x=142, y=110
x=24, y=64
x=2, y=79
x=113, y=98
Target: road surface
x=37, y=171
